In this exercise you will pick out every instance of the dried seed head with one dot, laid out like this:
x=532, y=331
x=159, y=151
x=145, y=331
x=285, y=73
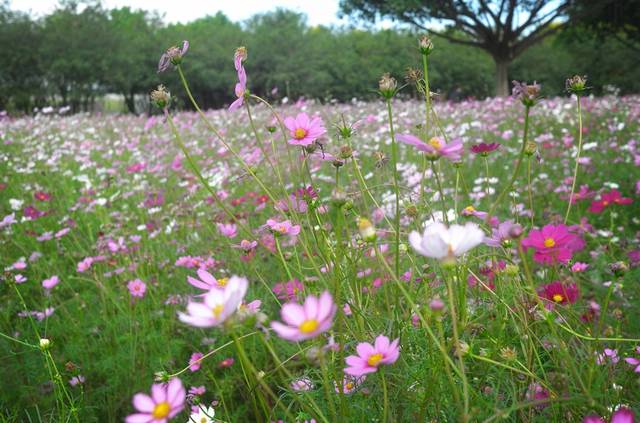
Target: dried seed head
x=161, y=97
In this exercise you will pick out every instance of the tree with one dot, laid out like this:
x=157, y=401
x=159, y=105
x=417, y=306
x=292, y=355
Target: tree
x=616, y=18
x=503, y=28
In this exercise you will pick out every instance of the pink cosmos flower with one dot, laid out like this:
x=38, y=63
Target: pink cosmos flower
x=194, y=361
x=283, y=228
x=634, y=361
x=218, y=304
x=349, y=384
x=503, y=234
x=229, y=230
x=42, y=196
x=435, y=148
x=553, y=244
x=622, y=415
x=288, y=290
x=76, y=380
x=165, y=402
x=559, y=293
x=302, y=384
x=304, y=131
x=371, y=356
x=578, y=267
x=137, y=288
x=608, y=199
x=51, y=282
x=207, y=282
x=607, y=355
x=484, y=149
x=306, y=321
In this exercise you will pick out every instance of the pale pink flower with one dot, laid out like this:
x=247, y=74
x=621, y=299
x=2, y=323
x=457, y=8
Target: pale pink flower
x=444, y=243
x=207, y=282
x=283, y=228
x=165, y=402
x=194, y=361
x=350, y=384
x=137, y=288
x=303, y=130
x=228, y=230
x=306, y=321
x=370, y=357
x=435, y=148
x=51, y=282
x=218, y=304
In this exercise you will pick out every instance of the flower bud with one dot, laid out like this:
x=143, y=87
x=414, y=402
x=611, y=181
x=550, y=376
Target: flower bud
x=367, y=230
x=339, y=197
x=45, y=344
x=436, y=305
x=411, y=210
x=531, y=148
x=576, y=84
x=161, y=97
x=346, y=152
x=337, y=163
x=425, y=44
x=387, y=86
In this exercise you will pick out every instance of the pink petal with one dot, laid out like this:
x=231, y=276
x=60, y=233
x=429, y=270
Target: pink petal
x=143, y=402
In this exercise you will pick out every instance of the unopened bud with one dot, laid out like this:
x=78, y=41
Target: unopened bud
x=339, y=197
x=426, y=45
x=161, y=97
x=436, y=305
x=531, y=148
x=45, y=344
x=387, y=86
x=411, y=210
x=346, y=152
x=576, y=84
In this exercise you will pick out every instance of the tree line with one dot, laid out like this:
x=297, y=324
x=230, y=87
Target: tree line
x=78, y=53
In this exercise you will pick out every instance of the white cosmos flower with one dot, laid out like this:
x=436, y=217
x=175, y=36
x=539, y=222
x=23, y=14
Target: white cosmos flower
x=441, y=242
x=218, y=304
x=203, y=415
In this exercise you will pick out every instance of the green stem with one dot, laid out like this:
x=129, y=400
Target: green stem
x=516, y=170
x=575, y=170
x=394, y=159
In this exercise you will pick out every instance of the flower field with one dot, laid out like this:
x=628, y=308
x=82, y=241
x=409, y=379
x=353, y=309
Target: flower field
x=388, y=261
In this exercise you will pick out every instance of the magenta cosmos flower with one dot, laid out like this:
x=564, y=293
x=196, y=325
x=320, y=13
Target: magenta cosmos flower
x=371, y=356
x=553, y=244
x=435, y=148
x=137, y=288
x=484, y=149
x=304, y=130
x=306, y=321
x=622, y=415
x=559, y=293
x=165, y=402
x=608, y=199
x=634, y=361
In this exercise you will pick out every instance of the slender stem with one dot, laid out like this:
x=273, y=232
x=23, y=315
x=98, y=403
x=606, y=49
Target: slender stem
x=385, y=404
x=440, y=192
x=394, y=159
x=575, y=170
x=516, y=170
x=530, y=189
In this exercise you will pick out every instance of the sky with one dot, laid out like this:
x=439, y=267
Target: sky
x=319, y=12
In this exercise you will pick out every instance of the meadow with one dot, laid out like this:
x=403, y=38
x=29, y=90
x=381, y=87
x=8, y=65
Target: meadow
x=387, y=261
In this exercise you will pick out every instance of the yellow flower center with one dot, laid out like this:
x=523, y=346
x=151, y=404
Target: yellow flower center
x=299, y=133
x=349, y=386
x=203, y=420
x=549, y=242
x=558, y=298
x=469, y=209
x=435, y=143
x=160, y=411
x=217, y=310
x=309, y=326
x=605, y=203
x=223, y=281
x=374, y=359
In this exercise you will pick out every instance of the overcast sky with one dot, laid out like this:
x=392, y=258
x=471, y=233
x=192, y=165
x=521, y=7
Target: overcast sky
x=319, y=12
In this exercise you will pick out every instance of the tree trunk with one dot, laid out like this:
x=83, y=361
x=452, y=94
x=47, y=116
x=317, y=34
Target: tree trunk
x=129, y=100
x=502, y=79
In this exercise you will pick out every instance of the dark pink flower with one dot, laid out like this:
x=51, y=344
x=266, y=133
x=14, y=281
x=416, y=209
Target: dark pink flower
x=484, y=149
x=288, y=290
x=553, y=244
x=622, y=415
x=608, y=199
x=195, y=361
x=559, y=293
